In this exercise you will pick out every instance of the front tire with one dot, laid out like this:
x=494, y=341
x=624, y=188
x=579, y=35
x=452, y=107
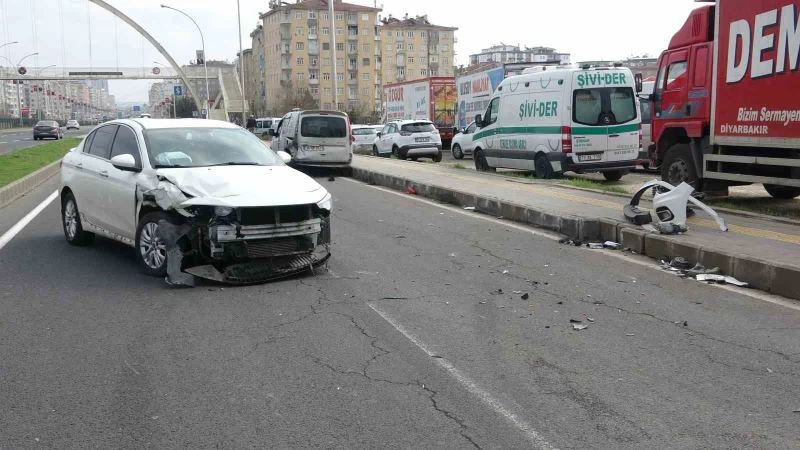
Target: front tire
x=457, y=152
x=544, y=170
x=375, y=151
x=71, y=222
x=782, y=192
x=481, y=164
x=151, y=252
x=679, y=167
x=614, y=175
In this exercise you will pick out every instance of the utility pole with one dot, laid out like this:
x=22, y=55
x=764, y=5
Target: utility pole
x=333, y=55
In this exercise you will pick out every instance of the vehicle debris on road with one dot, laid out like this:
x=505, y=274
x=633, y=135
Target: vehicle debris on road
x=670, y=208
x=578, y=327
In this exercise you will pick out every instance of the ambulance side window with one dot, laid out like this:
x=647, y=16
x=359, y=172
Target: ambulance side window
x=492, y=111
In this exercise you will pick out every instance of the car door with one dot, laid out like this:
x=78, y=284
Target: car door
x=120, y=193
x=276, y=140
x=492, y=150
x=383, y=138
x=467, y=143
x=95, y=173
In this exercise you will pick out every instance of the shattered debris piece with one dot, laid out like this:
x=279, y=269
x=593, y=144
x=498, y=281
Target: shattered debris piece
x=525, y=296
x=612, y=245
x=331, y=178
x=577, y=327
x=411, y=190
x=590, y=320
x=595, y=245
x=469, y=208
x=400, y=236
x=575, y=321
x=630, y=334
x=680, y=263
x=714, y=278
x=573, y=242
x=505, y=272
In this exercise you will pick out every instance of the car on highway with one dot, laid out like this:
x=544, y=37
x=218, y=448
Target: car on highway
x=47, y=129
x=364, y=138
x=73, y=125
x=409, y=139
x=462, y=142
x=315, y=138
x=194, y=197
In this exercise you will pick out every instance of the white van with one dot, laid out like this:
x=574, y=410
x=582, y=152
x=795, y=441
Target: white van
x=315, y=138
x=552, y=120
x=264, y=125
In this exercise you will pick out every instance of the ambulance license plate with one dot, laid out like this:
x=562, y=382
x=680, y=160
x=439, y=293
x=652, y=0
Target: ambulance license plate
x=585, y=158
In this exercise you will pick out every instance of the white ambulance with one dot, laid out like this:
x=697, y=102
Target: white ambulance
x=554, y=119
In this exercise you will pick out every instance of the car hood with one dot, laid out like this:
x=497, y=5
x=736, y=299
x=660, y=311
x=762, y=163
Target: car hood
x=244, y=186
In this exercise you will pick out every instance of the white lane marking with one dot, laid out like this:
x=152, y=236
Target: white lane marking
x=19, y=226
x=542, y=233
x=756, y=295
x=485, y=397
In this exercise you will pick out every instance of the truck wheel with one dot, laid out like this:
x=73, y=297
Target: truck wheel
x=544, y=170
x=457, y=153
x=481, y=165
x=678, y=166
x=782, y=192
x=614, y=175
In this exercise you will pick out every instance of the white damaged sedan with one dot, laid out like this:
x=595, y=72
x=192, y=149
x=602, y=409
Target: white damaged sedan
x=195, y=198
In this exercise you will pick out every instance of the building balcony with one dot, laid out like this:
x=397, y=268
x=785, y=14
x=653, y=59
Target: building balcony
x=352, y=51
x=352, y=37
x=285, y=65
x=313, y=50
x=285, y=18
x=377, y=37
x=352, y=81
x=352, y=20
x=313, y=81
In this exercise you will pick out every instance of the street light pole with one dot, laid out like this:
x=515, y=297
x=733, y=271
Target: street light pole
x=241, y=63
x=333, y=56
x=205, y=67
x=19, y=100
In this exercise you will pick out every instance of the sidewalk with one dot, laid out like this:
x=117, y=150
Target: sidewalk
x=14, y=130
x=762, y=252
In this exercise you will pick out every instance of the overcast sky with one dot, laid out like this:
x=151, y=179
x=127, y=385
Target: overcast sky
x=61, y=30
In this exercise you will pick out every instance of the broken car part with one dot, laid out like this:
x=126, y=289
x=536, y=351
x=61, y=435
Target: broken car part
x=669, y=208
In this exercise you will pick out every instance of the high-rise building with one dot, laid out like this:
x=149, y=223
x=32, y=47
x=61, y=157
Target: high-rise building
x=297, y=39
x=414, y=48
x=503, y=53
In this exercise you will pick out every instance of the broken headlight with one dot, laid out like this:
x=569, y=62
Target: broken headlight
x=326, y=203
x=223, y=211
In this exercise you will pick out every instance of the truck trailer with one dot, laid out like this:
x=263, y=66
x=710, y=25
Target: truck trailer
x=431, y=99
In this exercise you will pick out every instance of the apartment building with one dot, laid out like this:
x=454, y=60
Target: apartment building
x=298, y=70
x=504, y=54
x=413, y=48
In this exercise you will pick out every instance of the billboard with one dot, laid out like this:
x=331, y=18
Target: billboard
x=474, y=93
x=408, y=101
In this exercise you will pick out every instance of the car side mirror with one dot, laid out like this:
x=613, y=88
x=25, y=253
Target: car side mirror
x=639, y=82
x=379, y=133
x=125, y=162
x=479, y=120
x=285, y=157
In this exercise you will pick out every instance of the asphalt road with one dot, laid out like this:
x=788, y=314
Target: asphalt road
x=406, y=341
x=16, y=140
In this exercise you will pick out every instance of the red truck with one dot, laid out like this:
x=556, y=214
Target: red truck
x=726, y=104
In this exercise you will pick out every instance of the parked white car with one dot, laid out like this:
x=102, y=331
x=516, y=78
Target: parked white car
x=462, y=142
x=195, y=197
x=410, y=139
x=364, y=138
x=73, y=125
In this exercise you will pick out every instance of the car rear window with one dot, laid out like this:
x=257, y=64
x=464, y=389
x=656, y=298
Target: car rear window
x=420, y=127
x=604, y=106
x=323, y=127
x=46, y=123
x=364, y=131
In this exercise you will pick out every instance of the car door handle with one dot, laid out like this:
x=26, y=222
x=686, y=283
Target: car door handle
x=103, y=174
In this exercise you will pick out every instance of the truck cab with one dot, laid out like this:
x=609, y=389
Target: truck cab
x=681, y=100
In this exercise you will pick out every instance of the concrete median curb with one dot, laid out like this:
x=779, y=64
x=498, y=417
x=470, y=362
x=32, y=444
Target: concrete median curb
x=763, y=275
x=27, y=183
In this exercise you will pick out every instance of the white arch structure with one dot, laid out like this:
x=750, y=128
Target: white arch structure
x=159, y=47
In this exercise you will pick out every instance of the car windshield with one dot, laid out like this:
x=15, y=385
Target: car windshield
x=364, y=131
x=419, y=127
x=323, y=127
x=604, y=106
x=203, y=147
